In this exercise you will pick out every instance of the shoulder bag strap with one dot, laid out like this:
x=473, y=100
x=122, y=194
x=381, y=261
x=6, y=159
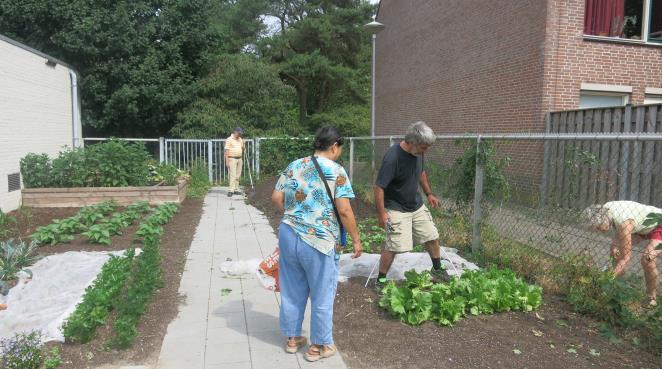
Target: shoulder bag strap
x=328, y=190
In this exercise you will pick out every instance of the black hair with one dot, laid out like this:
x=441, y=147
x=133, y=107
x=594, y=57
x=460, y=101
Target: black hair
x=325, y=137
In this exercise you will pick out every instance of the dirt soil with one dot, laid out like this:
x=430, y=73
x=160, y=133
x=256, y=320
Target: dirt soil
x=175, y=242
x=368, y=337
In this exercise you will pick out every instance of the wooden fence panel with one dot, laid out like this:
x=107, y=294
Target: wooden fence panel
x=624, y=170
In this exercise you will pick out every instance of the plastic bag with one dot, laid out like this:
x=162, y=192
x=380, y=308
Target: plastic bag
x=267, y=272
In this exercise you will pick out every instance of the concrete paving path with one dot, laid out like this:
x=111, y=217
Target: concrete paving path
x=229, y=323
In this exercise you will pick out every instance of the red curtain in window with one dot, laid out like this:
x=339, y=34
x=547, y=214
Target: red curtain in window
x=604, y=17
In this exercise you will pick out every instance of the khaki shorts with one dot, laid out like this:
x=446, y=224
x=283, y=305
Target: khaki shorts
x=410, y=229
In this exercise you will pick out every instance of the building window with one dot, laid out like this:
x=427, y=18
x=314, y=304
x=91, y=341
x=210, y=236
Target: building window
x=652, y=99
x=594, y=95
x=624, y=19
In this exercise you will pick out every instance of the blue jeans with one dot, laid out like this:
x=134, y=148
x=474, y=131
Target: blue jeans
x=303, y=272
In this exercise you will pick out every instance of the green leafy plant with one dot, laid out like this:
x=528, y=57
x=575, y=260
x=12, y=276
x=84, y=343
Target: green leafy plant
x=418, y=299
x=53, y=359
x=462, y=174
x=36, y=171
x=282, y=151
x=372, y=236
x=199, y=184
x=22, y=351
x=98, y=233
x=145, y=279
x=114, y=163
x=15, y=257
x=6, y=223
x=98, y=299
x=167, y=174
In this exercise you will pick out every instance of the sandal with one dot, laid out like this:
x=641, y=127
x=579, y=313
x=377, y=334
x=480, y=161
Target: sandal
x=294, y=344
x=318, y=352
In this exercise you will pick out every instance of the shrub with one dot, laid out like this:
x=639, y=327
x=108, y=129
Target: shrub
x=113, y=163
x=23, y=351
x=281, y=152
x=36, y=171
x=462, y=174
x=199, y=185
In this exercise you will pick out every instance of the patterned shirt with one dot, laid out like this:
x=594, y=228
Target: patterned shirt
x=308, y=209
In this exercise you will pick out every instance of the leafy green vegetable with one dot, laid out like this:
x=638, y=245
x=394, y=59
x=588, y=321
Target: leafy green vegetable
x=418, y=299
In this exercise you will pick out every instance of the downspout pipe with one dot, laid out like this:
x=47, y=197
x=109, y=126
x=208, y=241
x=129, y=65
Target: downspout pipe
x=76, y=128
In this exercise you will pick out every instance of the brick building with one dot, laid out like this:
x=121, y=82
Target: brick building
x=499, y=66
x=476, y=66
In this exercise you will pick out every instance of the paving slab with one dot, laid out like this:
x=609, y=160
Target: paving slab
x=229, y=322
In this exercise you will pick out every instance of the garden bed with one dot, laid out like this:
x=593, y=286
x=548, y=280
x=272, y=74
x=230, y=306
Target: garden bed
x=84, y=196
x=163, y=307
x=554, y=336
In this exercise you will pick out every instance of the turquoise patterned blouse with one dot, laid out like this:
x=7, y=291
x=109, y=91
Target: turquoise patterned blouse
x=308, y=209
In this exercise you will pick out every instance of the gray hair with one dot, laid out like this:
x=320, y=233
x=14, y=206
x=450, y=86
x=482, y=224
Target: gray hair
x=420, y=134
x=595, y=216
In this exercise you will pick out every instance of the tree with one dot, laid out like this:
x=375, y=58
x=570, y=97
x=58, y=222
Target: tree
x=240, y=90
x=138, y=59
x=320, y=50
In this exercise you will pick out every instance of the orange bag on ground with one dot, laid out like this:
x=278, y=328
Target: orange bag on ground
x=267, y=271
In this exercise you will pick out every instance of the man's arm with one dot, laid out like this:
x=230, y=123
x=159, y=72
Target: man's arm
x=382, y=216
x=624, y=240
x=427, y=189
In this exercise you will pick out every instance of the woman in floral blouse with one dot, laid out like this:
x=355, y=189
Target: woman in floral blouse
x=308, y=236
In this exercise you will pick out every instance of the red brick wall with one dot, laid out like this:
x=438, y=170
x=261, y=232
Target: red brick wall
x=571, y=60
x=460, y=65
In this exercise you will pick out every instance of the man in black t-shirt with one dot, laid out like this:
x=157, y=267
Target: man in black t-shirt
x=400, y=208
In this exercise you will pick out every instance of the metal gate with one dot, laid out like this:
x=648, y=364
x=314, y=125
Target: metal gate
x=185, y=153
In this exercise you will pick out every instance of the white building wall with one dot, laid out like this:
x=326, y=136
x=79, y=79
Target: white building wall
x=35, y=112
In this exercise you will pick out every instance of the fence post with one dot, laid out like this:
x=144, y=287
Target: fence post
x=624, y=181
x=545, y=164
x=257, y=158
x=162, y=158
x=210, y=161
x=351, y=159
x=478, y=194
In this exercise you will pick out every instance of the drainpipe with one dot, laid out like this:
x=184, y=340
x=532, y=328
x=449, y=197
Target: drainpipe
x=76, y=129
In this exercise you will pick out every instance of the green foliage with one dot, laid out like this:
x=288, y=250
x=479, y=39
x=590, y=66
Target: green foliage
x=61, y=231
x=199, y=184
x=22, y=351
x=418, y=299
x=462, y=175
x=110, y=164
x=145, y=279
x=281, y=152
x=36, y=170
x=240, y=90
x=136, y=59
x=322, y=51
x=98, y=299
x=351, y=120
x=6, y=223
x=167, y=174
x=53, y=359
x=15, y=257
x=372, y=236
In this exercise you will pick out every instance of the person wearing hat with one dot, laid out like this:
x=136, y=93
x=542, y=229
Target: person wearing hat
x=234, y=150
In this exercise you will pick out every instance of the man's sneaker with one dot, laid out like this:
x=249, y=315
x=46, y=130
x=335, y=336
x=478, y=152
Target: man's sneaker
x=379, y=285
x=439, y=275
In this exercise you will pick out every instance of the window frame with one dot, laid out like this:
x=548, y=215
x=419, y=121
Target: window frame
x=645, y=30
x=593, y=89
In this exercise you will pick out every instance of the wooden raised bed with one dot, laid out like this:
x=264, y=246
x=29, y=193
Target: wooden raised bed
x=83, y=196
